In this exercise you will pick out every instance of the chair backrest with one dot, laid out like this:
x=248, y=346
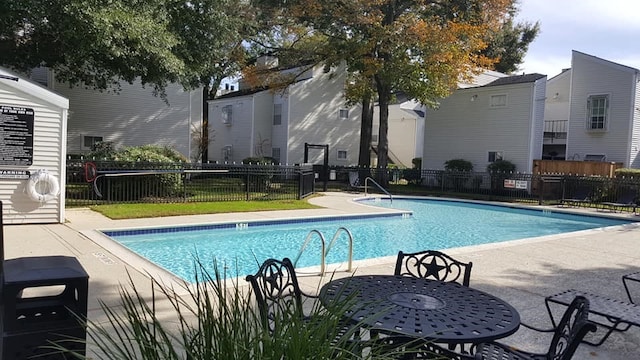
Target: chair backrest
x=571, y=329
x=626, y=196
x=432, y=264
x=277, y=291
x=354, y=179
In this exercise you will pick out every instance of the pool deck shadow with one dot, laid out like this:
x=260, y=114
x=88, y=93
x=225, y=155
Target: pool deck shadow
x=522, y=272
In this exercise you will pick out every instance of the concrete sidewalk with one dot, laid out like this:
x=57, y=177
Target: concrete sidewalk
x=522, y=272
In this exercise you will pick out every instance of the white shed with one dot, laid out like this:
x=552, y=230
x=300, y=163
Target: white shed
x=33, y=127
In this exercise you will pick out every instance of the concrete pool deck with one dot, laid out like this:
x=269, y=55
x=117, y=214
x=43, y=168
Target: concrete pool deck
x=522, y=272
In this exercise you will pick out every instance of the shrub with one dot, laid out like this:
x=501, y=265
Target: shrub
x=458, y=165
x=501, y=166
x=138, y=158
x=628, y=173
x=259, y=160
x=215, y=319
x=417, y=163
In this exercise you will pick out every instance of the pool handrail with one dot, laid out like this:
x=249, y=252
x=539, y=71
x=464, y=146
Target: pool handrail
x=325, y=249
x=304, y=246
x=366, y=180
x=333, y=240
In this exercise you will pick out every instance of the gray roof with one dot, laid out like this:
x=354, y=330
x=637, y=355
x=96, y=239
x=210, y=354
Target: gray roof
x=517, y=79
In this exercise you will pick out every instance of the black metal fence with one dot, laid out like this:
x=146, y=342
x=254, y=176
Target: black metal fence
x=104, y=182
x=120, y=182
x=534, y=188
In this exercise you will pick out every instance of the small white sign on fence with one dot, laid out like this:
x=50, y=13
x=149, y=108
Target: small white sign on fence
x=515, y=184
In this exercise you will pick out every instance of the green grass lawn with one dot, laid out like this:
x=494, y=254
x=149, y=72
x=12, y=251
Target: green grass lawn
x=132, y=211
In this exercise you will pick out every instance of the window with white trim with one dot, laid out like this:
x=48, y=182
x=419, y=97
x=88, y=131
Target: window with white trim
x=342, y=154
x=495, y=156
x=498, y=100
x=227, y=115
x=597, y=111
x=277, y=114
x=89, y=141
x=343, y=114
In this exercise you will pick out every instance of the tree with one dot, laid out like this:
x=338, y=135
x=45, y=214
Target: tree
x=97, y=44
x=509, y=44
x=422, y=48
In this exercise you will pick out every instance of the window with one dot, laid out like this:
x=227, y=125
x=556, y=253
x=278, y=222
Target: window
x=498, y=101
x=275, y=154
x=597, y=108
x=595, y=157
x=344, y=114
x=227, y=153
x=342, y=154
x=277, y=114
x=227, y=114
x=89, y=141
x=495, y=156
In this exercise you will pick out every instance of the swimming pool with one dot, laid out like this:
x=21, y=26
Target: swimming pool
x=434, y=224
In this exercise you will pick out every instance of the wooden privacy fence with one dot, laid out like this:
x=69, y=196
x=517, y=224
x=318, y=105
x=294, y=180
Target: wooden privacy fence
x=580, y=168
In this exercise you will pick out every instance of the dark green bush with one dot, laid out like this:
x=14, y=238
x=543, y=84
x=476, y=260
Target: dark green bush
x=458, y=165
x=259, y=160
x=627, y=173
x=128, y=188
x=417, y=163
x=502, y=166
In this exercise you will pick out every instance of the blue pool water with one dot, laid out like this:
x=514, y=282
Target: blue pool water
x=435, y=224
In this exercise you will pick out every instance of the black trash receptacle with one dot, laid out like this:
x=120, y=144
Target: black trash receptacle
x=42, y=301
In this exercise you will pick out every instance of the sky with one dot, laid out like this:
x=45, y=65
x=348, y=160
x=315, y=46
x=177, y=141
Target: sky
x=607, y=29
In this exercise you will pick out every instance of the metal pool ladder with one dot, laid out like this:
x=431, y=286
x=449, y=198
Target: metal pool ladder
x=325, y=249
x=366, y=181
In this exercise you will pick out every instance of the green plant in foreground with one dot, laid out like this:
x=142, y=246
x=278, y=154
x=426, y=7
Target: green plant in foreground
x=217, y=319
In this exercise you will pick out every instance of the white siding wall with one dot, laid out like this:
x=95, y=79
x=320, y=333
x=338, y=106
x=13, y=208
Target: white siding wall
x=635, y=135
x=594, y=76
x=465, y=129
x=262, y=125
x=314, y=119
x=401, y=135
x=537, y=123
x=50, y=116
x=558, y=92
x=279, y=133
x=133, y=116
x=238, y=134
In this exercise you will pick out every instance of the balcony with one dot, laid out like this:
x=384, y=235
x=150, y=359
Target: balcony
x=555, y=132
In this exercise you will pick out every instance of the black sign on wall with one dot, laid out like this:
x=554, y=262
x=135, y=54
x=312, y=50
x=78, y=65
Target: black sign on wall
x=16, y=135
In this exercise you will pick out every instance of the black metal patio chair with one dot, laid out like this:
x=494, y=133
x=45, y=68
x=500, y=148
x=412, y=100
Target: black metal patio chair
x=626, y=198
x=567, y=335
x=608, y=313
x=279, y=297
x=436, y=265
x=277, y=291
x=433, y=264
x=580, y=196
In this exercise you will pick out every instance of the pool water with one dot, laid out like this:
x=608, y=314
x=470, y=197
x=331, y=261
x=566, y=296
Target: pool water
x=435, y=224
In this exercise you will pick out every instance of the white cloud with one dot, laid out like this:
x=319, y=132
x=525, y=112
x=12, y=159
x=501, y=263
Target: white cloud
x=606, y=29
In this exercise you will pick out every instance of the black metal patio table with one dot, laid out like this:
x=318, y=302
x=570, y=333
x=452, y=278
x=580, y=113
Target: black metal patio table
x=444, y=312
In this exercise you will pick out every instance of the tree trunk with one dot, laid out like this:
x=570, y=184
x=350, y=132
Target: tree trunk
x=384, y=96
x=204, y=146
x=366, y=124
